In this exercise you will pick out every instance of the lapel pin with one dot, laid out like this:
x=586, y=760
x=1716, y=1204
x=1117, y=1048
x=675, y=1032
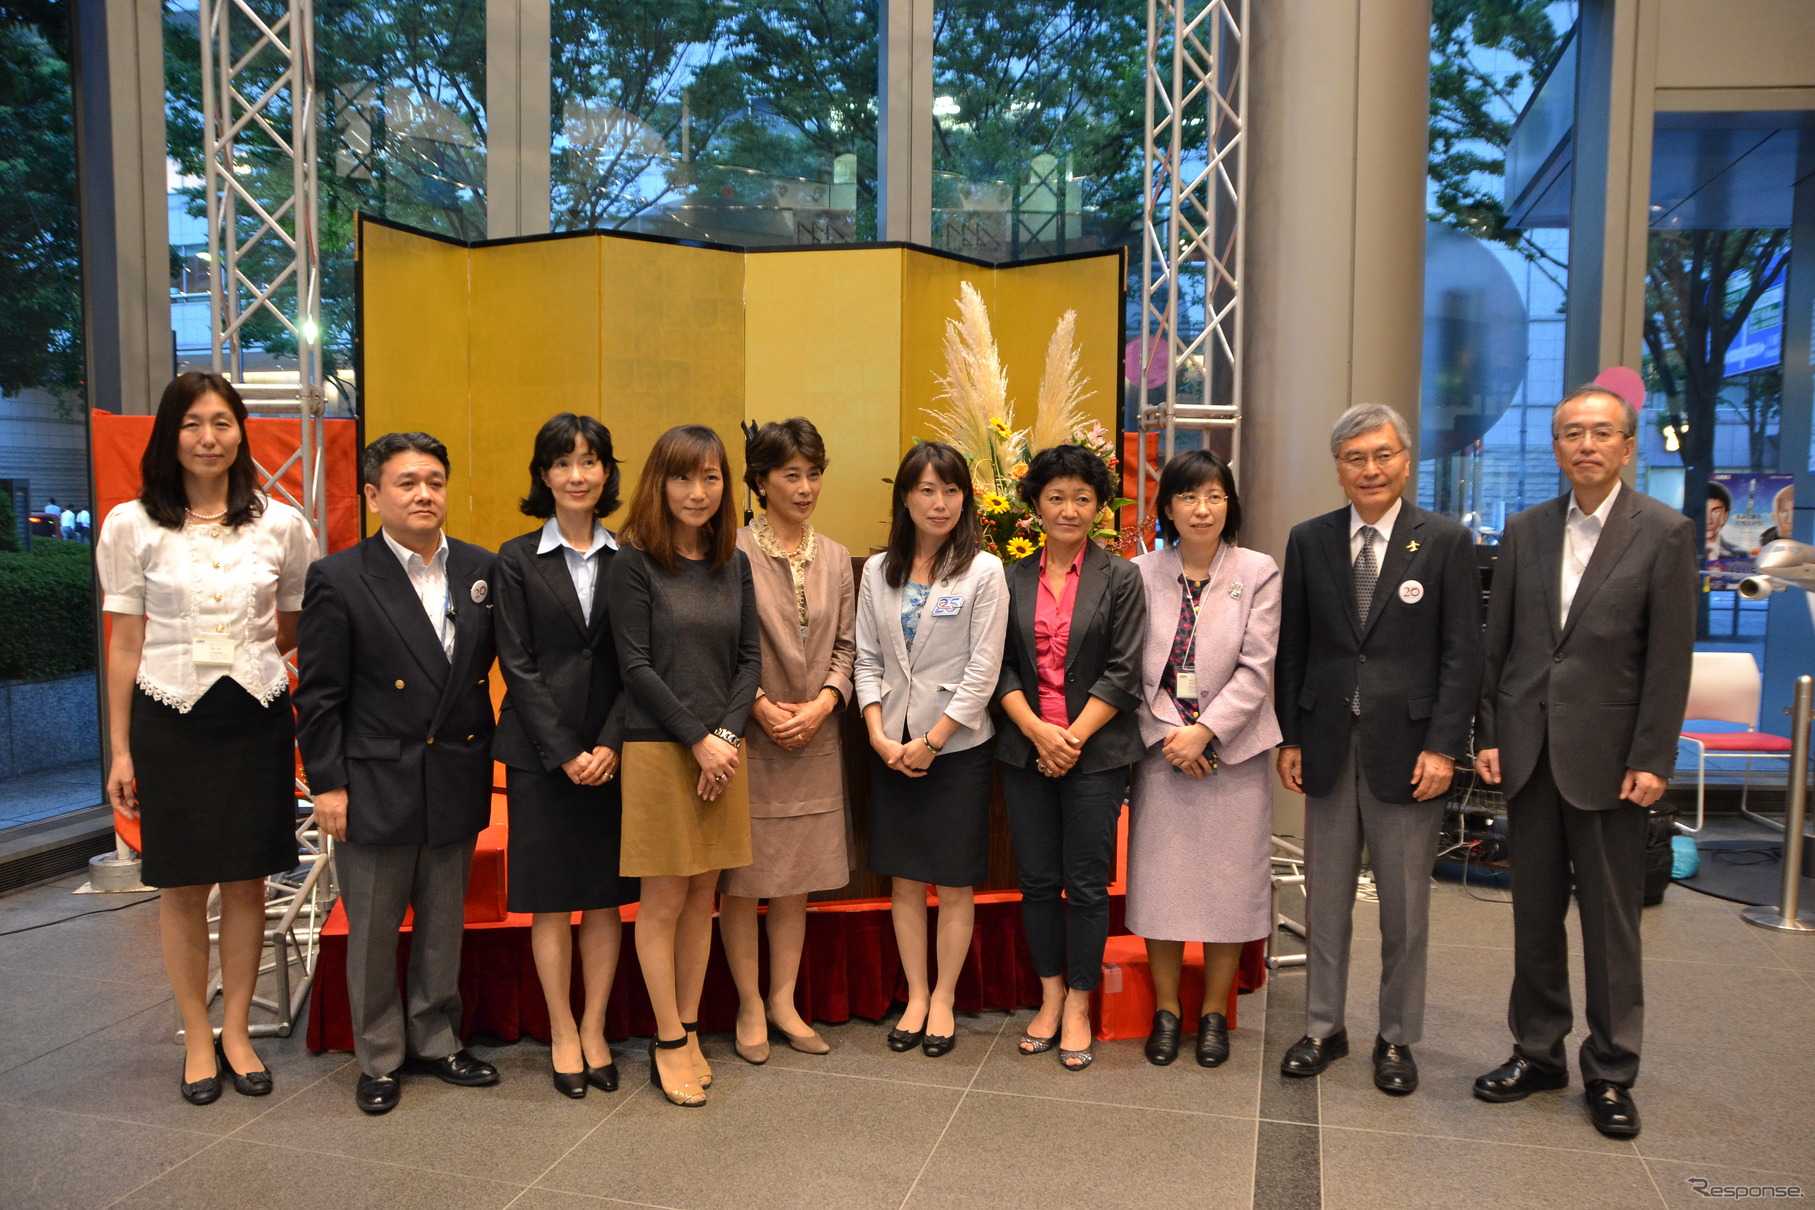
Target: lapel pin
x=1235, y=591
x=1412, y=546
x=479, y=591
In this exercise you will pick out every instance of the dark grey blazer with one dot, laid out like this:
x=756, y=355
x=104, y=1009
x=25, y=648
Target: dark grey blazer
x=1102, y=657
x=379, y=708
x=1417, y=662
x=1607, y=691
x=563, y=690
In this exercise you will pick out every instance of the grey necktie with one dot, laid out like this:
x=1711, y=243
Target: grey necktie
x=1367, y=574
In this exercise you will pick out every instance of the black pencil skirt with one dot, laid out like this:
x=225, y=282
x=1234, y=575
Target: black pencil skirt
x=216, y=787
x=934, y=828
x=564, y=844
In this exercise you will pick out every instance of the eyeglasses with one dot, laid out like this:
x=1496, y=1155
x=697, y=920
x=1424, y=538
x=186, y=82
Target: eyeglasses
x=1380, y=458
x=1600, y=434
x=1192, y=500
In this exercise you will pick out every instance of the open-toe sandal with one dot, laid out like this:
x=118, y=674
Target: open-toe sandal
x=702, y=1070
x=688, y=1095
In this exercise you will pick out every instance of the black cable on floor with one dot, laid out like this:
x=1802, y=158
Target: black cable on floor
x=78, y=916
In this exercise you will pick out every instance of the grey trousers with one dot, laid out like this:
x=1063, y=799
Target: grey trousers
x=1401, y=840
x=377, y=882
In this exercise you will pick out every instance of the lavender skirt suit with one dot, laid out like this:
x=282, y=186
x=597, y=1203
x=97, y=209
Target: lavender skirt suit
x=1199, y=850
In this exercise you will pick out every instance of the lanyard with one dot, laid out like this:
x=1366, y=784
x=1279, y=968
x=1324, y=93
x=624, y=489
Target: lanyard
x=1197, y=606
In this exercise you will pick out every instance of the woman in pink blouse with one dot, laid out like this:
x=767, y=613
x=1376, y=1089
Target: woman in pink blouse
x=203, y=579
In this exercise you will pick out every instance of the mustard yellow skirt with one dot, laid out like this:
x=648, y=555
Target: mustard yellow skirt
x=669, y=830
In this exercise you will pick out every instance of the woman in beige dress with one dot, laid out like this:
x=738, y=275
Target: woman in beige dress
x=806, y=602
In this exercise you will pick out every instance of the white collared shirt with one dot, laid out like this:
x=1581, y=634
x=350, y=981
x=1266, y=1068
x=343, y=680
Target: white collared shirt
x=1383, y=531
x=429, y=579
x=582, y=565
x=1581, y=532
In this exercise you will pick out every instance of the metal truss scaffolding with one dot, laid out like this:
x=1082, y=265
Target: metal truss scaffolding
x=1195, y=178
x=259, y=154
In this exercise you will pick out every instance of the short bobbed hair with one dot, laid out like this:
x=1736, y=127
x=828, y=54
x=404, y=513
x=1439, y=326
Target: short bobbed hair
x=161, y=474
x=778, y=443
x=960, y=546
x=387, y=447
x=558, y=438
x=1066, y=462
x=682, y=450
x=1192, y=471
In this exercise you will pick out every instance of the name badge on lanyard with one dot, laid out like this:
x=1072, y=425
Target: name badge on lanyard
x=1187, y=686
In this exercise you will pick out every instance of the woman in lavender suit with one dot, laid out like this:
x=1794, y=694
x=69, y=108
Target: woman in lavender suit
x=1202, y=806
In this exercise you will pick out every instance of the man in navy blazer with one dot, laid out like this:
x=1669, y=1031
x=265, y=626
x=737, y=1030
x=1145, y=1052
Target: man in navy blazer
x=1378, y=668
x=1590, y=638
x=394, y=719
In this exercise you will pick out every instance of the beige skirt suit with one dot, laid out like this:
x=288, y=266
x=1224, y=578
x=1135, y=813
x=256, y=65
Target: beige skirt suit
x=800, y=832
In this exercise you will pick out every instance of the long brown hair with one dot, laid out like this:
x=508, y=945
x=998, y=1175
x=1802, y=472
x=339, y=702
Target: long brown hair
x=161, y=475
x=681, y=450
x=960, y=546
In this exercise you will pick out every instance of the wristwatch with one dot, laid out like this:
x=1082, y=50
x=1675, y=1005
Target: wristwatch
x=736, y=741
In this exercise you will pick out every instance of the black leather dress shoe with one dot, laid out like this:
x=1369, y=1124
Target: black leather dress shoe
x=569, y=1083
x=1212, y=1040
x=934, y=1046
x=458, y=1068
x=1309, y=1056
x=1612, y=1109
x=1395, y=1071
x=378, y=1094
x=1162, y=1043
x=903, y=1040
x=605, y=1078
x=1516, y=1079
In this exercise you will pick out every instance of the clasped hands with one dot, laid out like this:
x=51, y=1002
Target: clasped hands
x=1185, y=750
x=791, y=726
x=1055, y=748
x=911, y=759
x=593, y=768
x=718, y=761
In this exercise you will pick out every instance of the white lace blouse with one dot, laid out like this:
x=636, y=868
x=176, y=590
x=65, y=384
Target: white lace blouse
x=205, y=580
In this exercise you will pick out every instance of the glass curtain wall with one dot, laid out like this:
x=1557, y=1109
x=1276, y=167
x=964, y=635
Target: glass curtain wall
x=49, y=726
x=746, y=123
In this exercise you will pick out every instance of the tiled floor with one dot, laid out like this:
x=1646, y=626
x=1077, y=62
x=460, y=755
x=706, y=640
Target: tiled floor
x=89, y=1117
x=48, y=793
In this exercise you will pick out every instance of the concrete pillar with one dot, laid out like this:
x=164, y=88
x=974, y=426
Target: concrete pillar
x=904, y=127
x=518, y=105
x=120, y=154
x=1338, y=107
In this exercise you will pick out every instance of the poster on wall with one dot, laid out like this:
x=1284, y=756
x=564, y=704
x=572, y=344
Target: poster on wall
x=1745, y=511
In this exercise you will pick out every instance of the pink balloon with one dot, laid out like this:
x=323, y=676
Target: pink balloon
x=1624, y=382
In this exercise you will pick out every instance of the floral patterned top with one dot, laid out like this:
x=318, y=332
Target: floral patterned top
x=1181, y=649
x=913, y=599
x=798, y=561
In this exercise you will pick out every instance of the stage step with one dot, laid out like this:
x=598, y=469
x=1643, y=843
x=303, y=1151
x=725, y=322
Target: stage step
x=1122, y=1005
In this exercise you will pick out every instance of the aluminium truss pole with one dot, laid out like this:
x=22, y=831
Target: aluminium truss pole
x=1194, y=224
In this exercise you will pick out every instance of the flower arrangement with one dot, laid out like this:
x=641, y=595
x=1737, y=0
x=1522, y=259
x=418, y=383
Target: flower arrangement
x=978, y=419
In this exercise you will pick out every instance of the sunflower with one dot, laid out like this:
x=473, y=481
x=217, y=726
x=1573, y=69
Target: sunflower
x=1000, y=428
x=993, y=504
x=1019, y=548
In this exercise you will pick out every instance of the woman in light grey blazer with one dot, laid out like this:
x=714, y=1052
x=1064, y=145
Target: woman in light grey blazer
x=1201, y=809
x=931, y=616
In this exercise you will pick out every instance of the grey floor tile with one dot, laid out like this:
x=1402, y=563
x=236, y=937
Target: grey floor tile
x=1443, y=1175
x=560, y=1199
x=235, y=1173
x=1796, y=950
x=1011, y=1152
x=1698, y=1185
x=1746, y=1106
x=121, y=946
x=1691, y=1003
x=57, y=900
x=443, y=1128
x=781, y=1139
x=129, y=1071
x=859, y=1048
x=1288, y=1167
x=1121, y=1074
x=1449, y=1059
x=1690, y=926
x=59, y=1161
x=44, y=1012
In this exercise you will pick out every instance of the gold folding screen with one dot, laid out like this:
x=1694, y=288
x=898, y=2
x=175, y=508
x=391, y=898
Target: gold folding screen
x=479, y=344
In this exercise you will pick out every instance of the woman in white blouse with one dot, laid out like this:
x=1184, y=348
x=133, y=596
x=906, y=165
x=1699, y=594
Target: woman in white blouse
x=203, y=579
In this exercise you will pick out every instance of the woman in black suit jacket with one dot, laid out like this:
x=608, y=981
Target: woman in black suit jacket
x=558, y=736
x=1071, y=680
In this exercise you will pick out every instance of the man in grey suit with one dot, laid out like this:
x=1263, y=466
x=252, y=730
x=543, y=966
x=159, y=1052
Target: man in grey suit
x=1590, y=633
x=1378, y=669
